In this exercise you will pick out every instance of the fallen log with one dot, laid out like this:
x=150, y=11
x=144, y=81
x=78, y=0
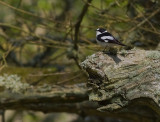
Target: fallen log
x=127, y=84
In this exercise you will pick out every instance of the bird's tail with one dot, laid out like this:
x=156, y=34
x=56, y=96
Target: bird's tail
x=122, y=44
x=118, y=42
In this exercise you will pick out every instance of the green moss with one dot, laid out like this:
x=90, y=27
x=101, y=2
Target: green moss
x=13, y=83
x=123, y=52
x=153, y=55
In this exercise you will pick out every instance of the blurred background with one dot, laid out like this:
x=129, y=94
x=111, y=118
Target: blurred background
x=49, y=38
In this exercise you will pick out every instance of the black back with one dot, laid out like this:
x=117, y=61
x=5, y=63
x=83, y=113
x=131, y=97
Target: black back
x=101, y=30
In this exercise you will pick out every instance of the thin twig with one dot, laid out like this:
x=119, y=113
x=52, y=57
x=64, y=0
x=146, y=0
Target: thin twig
x=34, y=35
x=78, y=23
x=70, y=79
x=52, y=74
x=77, y=27
x=92, y=5
x=144, y=21
x=144, y=17
x=28, y=13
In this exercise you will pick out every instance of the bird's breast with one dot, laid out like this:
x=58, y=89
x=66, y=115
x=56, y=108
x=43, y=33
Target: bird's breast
x=104, y=44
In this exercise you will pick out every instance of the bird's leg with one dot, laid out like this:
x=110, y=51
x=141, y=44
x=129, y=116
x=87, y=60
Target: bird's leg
x=104, y=49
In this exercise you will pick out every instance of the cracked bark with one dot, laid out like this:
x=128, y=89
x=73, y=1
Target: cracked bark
x=124, y=86
x=127, y=84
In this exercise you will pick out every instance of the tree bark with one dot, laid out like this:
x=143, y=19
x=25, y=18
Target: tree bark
x=127, y=83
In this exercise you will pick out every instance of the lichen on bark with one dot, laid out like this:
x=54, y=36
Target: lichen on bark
x=115, y=81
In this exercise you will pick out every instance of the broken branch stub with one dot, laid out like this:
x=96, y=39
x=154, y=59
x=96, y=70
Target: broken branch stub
x=126, y=82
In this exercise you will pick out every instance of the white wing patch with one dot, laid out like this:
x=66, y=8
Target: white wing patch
x=105, y=31
x=107, y=38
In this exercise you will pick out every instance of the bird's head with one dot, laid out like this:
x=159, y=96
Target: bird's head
x=100, y=31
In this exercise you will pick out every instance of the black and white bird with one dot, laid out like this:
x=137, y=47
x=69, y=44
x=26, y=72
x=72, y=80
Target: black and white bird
x=104, y=38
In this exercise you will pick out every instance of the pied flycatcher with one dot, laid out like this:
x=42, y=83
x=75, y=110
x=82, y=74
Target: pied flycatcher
x=104, y=38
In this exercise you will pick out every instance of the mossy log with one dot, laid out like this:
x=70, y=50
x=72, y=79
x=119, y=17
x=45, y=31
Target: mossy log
x=48, y=98
x=127, y=83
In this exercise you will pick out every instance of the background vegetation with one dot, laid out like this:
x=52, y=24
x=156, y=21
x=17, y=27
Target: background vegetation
x=48, y=38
